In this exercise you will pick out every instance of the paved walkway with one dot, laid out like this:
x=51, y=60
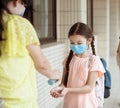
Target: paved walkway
x=114, y=99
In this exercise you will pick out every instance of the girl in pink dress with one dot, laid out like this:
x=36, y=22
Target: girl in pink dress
x=78, y=82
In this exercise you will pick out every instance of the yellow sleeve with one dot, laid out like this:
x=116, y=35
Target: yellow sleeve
x=18, y=33
x=31, y=35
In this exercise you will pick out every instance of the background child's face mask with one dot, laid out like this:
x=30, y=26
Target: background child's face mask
x=78, y=49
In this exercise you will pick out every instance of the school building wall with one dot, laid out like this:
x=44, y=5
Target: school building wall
x=114, y=25
x=55, y=54
x=101, y=26
x=106, y=26
x=106, y=21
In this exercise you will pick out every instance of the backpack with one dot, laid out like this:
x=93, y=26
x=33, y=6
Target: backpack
x=107, y=76
x=103, y=84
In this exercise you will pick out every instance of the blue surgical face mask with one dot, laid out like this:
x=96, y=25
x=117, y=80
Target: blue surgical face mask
x=78, y=49
x=23, y=11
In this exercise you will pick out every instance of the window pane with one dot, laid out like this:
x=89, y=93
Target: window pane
x=44, y=18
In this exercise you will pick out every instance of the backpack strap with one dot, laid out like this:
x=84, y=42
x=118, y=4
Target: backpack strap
x=90, y=61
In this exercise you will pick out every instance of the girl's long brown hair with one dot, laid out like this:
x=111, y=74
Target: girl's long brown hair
x=83, y=30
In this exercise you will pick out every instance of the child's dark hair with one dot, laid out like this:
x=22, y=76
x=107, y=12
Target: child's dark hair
x=78, y=29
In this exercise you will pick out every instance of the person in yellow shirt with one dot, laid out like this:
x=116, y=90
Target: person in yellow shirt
x=20, y=56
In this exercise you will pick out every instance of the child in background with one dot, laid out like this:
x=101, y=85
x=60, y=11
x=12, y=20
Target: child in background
x=20, y=56
x=78, y=83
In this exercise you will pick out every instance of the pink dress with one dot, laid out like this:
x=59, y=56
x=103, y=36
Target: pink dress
x=78, y=75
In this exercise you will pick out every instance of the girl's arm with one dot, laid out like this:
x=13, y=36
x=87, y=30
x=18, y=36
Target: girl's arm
x=41, y=63
x=84, y=89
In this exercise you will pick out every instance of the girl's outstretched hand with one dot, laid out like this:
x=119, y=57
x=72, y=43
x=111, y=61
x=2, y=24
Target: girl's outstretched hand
x=59, y=91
